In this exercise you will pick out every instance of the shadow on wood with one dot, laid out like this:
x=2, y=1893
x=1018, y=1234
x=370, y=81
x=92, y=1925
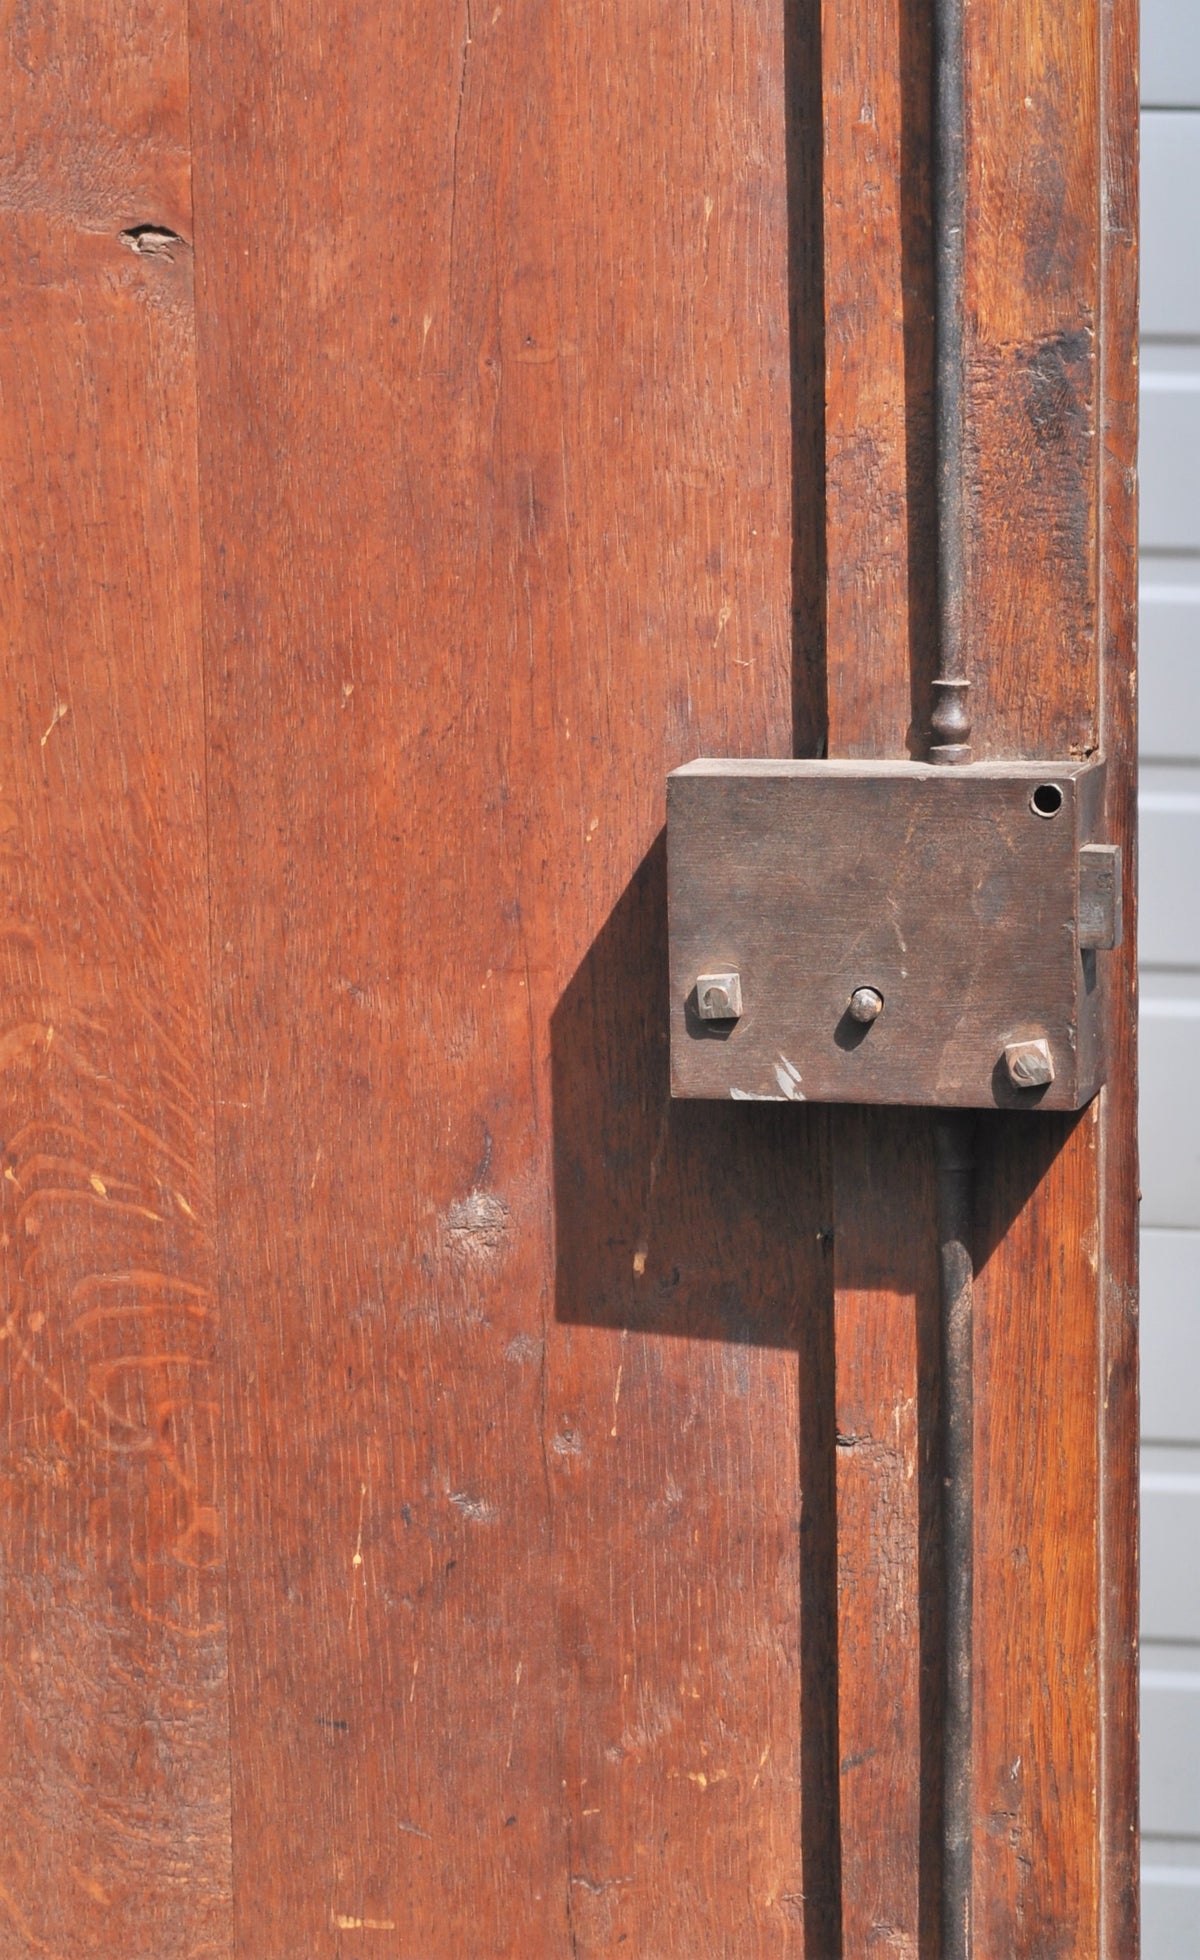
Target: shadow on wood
x=705, y=1221
x=712, y=1221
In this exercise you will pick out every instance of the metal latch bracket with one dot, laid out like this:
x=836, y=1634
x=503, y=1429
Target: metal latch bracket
x=890, y=932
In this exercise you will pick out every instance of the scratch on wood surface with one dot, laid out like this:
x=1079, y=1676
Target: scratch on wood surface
x=344, y=1922
x=91, y=1886
x=701, y=1778
x=24, y=1928
x=458, y=114
x=512, y=1731
x=642, y=1248
x=357, y=1558
x=60, y=714
x=193, y=1302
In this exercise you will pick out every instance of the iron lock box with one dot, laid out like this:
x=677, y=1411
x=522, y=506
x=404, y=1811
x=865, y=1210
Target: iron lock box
x=890, y=932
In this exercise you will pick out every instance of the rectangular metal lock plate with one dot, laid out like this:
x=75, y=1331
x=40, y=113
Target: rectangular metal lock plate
x=890, y=932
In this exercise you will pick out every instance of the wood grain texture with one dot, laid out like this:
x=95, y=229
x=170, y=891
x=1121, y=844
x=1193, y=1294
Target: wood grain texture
x=878, y=375
x=513, y=326
x=496, y=494
x=887, y=1437
x=1032, y=306
x=880, y=594
x=1055, y=1460
x=1054, y=1465
x=114, y=1783
x=1037, y=1541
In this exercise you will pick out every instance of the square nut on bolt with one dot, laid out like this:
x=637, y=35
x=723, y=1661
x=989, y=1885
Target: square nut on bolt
x=719, y=996
x=1029, y=1063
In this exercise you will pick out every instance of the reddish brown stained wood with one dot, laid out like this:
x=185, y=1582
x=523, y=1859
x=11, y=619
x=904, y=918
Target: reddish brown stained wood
x=879, y=597
x=886, y=1280
x=530, y=1388
x=1054, y=1855
x=114, y=1786
x=1032, y=377
x=1055, y=1460
x=866, y=411
x=1037, y=1546
x=496, y=504
x=878, y=375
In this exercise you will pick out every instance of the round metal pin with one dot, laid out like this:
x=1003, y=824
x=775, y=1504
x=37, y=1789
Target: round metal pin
x=866, y=1005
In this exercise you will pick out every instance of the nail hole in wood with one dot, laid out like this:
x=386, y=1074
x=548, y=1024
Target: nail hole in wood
x=152, y=241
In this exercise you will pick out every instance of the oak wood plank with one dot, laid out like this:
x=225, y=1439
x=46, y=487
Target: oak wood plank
x=878, y=375
x=1037, y=1705
x=887, y=1440
x=1033, y=320
x=1054, y=1836
x=497, y=483
x=879, y=594
x=114, y=1783
x=1054, y=1457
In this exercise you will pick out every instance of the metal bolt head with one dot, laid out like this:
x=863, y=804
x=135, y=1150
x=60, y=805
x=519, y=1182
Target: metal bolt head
x=1030, y=1064
x=866, y=1005
x=719, y=996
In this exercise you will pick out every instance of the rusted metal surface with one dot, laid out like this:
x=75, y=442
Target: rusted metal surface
x=952, y=896
x=950, y=719
x=1101, y=923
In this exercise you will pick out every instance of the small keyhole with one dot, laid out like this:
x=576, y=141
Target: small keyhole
x=1047, y=800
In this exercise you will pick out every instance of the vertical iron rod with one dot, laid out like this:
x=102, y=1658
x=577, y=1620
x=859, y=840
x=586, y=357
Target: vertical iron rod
x=951, y=723
x=950, y=743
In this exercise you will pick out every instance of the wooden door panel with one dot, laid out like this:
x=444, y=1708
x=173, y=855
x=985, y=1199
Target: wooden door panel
x=558, y=406
x=496, y=484
x=114, y=1759
x=1048, y=400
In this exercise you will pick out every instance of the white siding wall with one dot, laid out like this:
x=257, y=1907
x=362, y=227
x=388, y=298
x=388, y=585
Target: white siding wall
x=1169, y=949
